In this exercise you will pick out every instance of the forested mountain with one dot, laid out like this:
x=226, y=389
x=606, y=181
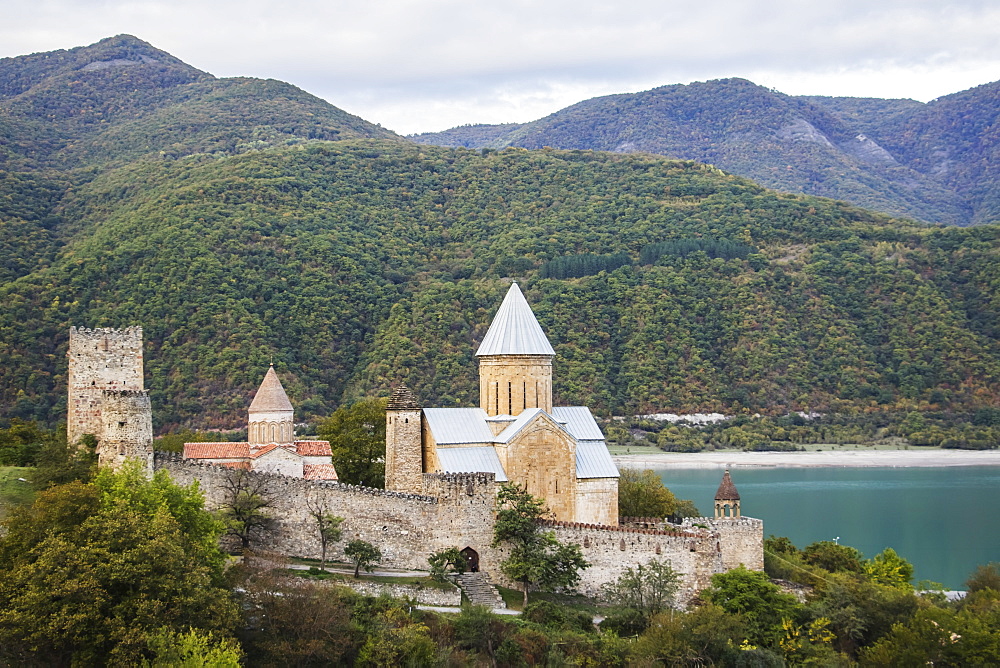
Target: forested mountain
x=362, y=263
x=122, y=98
x=927, y=161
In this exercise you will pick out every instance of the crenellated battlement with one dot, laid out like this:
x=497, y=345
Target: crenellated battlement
x=477, y=478
x=134, y=332
x=619, y=528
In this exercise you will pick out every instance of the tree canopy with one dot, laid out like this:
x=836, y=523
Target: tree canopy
x=536, y=558
x=93, y=571
x=357, y=441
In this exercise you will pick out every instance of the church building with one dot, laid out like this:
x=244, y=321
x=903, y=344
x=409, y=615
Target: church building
x=270, y=444
x=557, y=452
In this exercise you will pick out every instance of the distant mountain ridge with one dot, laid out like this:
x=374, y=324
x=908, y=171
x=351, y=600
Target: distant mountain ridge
x=927, y=161
x=122, y=98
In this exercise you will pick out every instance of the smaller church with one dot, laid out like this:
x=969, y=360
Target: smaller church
x=270, y=444
x=557, y=452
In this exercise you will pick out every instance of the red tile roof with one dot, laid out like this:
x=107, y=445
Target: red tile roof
x=319, y=472
x=313, y=448
x=216, y=450
x=235, y=465
x=264, y=450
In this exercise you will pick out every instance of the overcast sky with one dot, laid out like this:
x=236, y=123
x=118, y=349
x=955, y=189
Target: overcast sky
x=424, y=65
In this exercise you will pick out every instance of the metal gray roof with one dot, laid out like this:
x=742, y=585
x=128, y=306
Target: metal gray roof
x=467, y=426
x=517, y=425
x=471, y=460
x=458, y=425
x=594, y=461
x=514, y=330
x=579, y=421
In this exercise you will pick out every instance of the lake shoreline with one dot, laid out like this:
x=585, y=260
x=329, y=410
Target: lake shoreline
x=720, y=459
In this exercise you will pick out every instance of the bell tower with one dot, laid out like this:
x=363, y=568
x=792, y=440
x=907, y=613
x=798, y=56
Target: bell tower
x=727, y=499
x=271, y=417
x=515, y=360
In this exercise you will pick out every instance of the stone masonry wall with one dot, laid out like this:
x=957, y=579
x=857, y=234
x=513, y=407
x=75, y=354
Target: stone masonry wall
x=508, y=384
x=741, y=540
x=126, y=430
x=404, y=464
x=458, y=510
x=597, y=500
x=99, y=359
x=407, y=528
x=425, y=595
x=610, y=550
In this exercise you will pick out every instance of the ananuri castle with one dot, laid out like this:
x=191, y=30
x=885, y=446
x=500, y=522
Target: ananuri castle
x=443, y=465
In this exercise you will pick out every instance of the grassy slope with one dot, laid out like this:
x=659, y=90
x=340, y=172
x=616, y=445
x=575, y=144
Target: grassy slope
x=13, y=491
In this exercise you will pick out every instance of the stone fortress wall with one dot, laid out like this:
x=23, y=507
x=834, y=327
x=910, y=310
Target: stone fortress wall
x=126, y=430
x=407, y=528
x=458, y=510
x=741, y=539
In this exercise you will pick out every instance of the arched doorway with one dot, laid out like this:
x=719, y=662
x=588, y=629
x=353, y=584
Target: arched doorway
x=471, y=560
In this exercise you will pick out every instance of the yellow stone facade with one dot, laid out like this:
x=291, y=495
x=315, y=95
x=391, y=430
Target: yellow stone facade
x=557, y=453
x=509, y=384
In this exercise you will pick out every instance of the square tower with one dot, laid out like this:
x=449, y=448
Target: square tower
x=99, y=359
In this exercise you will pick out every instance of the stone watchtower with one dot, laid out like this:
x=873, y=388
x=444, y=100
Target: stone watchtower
x=727, y=499
x=99, y=359
x=271, y=417
x=404, y=464
x=515, y=361
x=106, y=395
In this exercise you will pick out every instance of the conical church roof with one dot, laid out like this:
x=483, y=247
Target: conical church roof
x=270, y=397
x=727, y=490
x=514, y=330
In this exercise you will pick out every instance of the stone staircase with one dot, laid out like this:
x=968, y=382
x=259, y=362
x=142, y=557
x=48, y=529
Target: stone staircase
x=479, y=590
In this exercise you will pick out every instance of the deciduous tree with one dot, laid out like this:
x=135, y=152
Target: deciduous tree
x=91, y=571
x=246, y=505
x=357, y=441
x=536, y=558
x=447, y=561
x=752, y=595
x=649, y=588
x=641, y=494
x=363, y=554
x=327, y=524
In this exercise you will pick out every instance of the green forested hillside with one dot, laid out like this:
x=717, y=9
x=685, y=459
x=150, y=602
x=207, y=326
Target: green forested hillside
x=68, y=116
x=219, y=216
x=927, y=161
x=359, y=264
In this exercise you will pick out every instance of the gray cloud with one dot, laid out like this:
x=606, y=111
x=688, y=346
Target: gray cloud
x=428, y=64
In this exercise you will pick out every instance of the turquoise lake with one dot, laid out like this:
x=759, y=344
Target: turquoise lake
x=945, y=521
